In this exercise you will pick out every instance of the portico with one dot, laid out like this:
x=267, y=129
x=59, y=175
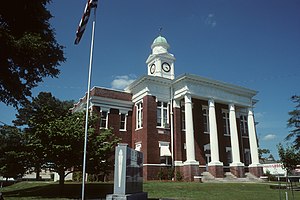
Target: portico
x=232, y=101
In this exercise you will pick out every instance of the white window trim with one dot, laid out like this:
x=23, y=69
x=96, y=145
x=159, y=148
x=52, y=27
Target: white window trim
x=138, y=116
x=162, y=108
x=245, y=124
x=207, y=118
x=164, y=147
x=106, y=119
x=125, y=122
x=226, y=121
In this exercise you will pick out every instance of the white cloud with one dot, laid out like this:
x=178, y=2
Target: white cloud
x=210, y=20
x=269, y=137
x=259, y=115
x=120, y=82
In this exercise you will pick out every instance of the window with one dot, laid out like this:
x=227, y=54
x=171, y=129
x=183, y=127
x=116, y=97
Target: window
x=205, y=119
x=207, y=153
x=244, y=125
x=226, y=129
x=104, y=119
x=165, y=153
x=139, y=115
x=162, y=114
x=247, y=157
x=229, y=155
x=182, y=115
x=123, y=121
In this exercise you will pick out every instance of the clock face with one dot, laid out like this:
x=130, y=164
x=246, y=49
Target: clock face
x=166, y=67
x=152, y=68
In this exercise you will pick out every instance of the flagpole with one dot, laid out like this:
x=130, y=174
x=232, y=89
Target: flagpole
x=87, y=108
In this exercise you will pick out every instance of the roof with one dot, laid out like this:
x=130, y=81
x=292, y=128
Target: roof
x=160, y=41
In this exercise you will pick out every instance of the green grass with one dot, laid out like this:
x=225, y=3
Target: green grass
x=174, y=190
x=51, y=190
x=215, y=191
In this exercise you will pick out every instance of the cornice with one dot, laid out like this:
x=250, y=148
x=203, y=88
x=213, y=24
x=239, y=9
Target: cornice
x=216, y=84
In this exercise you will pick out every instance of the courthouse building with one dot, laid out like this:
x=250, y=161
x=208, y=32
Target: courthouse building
x=190, y=122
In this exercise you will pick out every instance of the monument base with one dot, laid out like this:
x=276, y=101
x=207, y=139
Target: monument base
x=135, y=196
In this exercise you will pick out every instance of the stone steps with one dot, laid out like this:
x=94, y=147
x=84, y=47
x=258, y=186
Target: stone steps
x=229, y=177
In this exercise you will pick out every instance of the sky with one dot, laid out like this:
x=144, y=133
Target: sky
x=254, y=44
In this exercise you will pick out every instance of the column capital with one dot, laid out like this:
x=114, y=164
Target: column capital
x=176, y=103
x=231, y=106
x=188, y=98
x=211, y=103
x=250, y=111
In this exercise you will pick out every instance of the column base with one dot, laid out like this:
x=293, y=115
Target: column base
x=190, y=169
x=238, y=170
x=256, y=170
x=216, y=169
x=178, y=163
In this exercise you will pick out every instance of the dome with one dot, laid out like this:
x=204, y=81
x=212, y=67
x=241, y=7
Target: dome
x=160, y=41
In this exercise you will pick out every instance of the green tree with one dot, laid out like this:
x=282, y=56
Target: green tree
x=289, y=156
x=294, y=122
x=12, y=152
x=101, y=148
x=39, y=112
x=62, y=141
x=29, y=50
x=262, y=154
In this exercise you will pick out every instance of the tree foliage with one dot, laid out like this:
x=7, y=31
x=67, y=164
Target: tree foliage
x=55, y=138
x=289, y=156
x=101, y=148
x=62, y=141
x=42, y=110
x=12, y=152
x=29, y=50
x=294, y=122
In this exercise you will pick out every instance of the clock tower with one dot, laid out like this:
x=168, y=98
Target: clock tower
x=160, y=62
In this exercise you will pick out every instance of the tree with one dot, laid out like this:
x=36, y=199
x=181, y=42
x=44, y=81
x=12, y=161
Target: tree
x=29, y=52
x=12, y=152
x=32, y=115
x=62, y=140
x=289, y=156
x=63, y=144
x=101, y=148
x=294, y=122
x=261, y=153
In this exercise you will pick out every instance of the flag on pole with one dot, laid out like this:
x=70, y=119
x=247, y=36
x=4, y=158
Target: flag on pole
x=85, y=18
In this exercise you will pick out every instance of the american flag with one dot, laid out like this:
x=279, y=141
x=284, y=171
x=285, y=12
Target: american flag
x=85, y=18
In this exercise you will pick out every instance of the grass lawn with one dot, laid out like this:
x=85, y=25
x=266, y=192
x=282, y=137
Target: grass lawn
x=174, y=190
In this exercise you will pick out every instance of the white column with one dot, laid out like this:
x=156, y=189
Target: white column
x=213, y=134
x=252, y=139
x=189, y=130
x=235, y=149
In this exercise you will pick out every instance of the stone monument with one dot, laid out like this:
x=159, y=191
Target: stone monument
x=128, y=175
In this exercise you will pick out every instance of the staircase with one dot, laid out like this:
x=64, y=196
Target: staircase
x=229, y=177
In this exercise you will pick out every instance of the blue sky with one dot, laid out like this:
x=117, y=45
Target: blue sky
x=254, y=44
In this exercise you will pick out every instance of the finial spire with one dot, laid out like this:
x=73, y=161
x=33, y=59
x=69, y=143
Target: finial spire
x=160, y=30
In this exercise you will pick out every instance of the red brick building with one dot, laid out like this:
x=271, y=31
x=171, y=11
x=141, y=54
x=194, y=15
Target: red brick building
x=190, y=122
